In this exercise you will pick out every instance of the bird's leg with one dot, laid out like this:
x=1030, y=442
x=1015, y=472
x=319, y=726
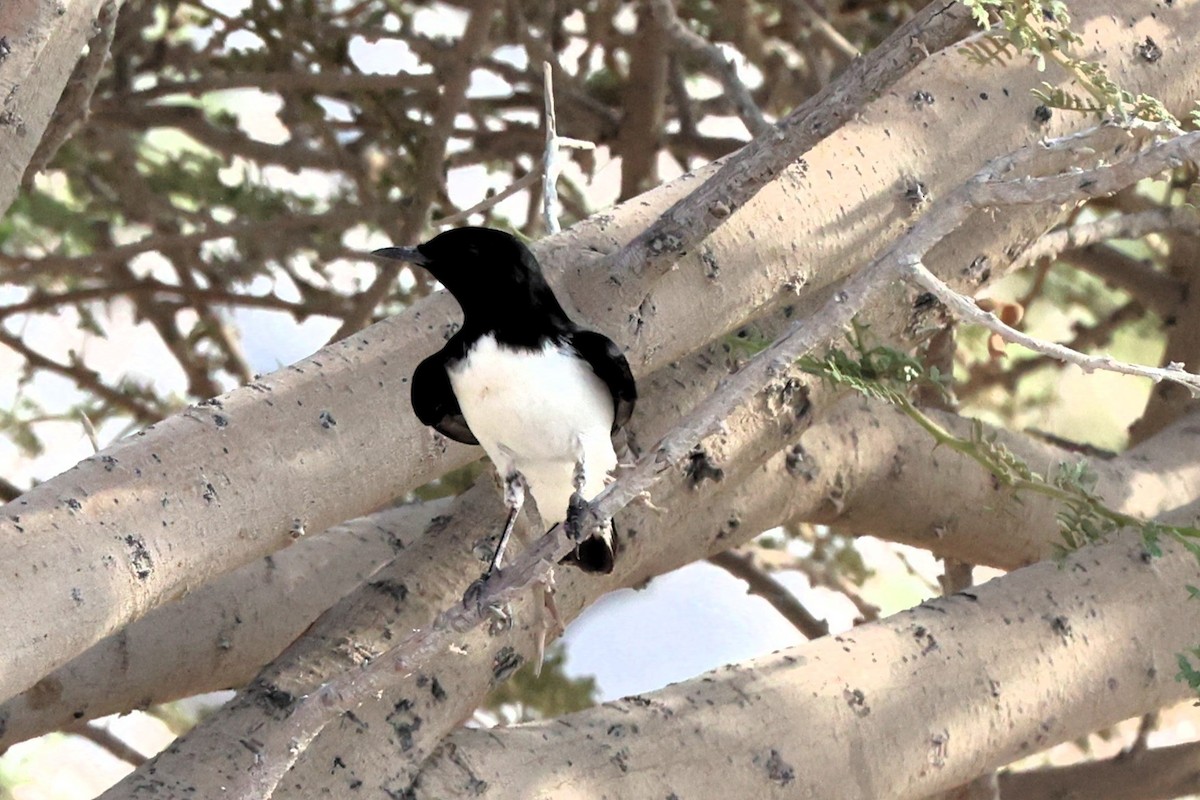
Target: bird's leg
x=514, y=498
x=595, y=547
x=576, y=505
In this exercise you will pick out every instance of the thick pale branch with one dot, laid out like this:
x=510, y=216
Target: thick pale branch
x=42, y=46
x=688, y=223
x=898, y=709
x=219, y=636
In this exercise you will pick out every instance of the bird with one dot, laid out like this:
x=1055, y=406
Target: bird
x=542, y=395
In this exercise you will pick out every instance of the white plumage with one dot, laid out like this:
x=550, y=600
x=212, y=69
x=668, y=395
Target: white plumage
x=538, y=413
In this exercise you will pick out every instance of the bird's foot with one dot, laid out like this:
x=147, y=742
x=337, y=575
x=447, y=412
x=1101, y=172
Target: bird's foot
x=573, y=524
x=473, y=596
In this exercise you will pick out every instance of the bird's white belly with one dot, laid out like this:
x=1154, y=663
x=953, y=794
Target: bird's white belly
x=538, y=413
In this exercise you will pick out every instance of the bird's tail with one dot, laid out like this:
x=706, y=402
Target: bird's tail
x=596, y=553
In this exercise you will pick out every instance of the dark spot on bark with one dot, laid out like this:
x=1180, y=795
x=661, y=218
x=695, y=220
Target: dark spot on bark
x=404, y=723
x=857, y=702
x=798, y=465
x=5, y=49
x=392, y=588
x=979, y=270
x=621, y=759
x=139, y=557
x=337, y=764
x=700, y=467
x=437, y=691
x=1149, y=50
x=711, y=268
x=273, y=698
x=221, y=420
x=925, y=302
x=1062, y=626
x=925, y=638
x=983, y=95
x=327, y=420
x=74, y=504
x=77, y=596
x=210, y=493
x=778, y=770
x=617, y=731
x=506, y=662
x=109, y=462
x=922, y=98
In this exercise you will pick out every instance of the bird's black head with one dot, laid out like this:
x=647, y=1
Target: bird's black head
x=484, y=269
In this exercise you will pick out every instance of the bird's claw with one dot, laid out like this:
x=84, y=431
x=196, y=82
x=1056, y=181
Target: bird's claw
x=473, y=596
x=573, y=524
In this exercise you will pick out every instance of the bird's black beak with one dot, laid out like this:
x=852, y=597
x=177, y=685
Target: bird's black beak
x=410, y=254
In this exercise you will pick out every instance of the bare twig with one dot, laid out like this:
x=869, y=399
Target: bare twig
x=85, y=378
x=550, y=158
x=966, y=309
x=687, y=40
x=528, y=179
x=430, y=166
x=822, y=26
x=759, y=582
x=102, y=737
x=1117, y=226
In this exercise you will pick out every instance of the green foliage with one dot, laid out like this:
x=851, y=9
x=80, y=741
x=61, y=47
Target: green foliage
x=886, y=374
x=878, y=372
x=526, y=697
x=1187, y=672
x=1041, y=31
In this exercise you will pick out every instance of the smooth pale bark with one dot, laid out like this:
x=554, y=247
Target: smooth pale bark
x=43, y=43
x=219, y=636
x=920, y=702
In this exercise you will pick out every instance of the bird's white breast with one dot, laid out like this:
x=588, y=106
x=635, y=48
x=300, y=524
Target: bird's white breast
x=538, y=412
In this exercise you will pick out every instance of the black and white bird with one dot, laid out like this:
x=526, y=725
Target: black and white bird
x=542, y=395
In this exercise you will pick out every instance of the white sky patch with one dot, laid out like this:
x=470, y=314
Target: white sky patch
x=386, y=57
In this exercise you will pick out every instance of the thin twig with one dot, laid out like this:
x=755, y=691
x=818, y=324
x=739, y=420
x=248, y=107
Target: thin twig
x=106, y=739
x=1117, y=226
x=822, y=26
x=965, y=308
x=526, y=180
x=763, y=584
x=687, y=40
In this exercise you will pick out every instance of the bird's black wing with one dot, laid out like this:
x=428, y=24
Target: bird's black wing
x=434, y=402
x=611, y=367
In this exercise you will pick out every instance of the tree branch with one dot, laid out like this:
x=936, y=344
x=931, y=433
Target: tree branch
x=923, y=733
